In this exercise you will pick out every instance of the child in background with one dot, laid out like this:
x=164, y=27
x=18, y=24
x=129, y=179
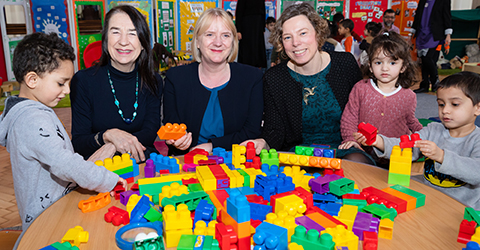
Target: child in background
x=371, y=31
x=44, y=166
x=453, y=146
x=270, y=24
x=385, y=100
x=345, y=28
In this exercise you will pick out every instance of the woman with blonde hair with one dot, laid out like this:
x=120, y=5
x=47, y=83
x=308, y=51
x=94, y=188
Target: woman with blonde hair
x=220, y=101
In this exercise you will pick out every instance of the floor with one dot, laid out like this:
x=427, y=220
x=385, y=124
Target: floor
x=8, y=209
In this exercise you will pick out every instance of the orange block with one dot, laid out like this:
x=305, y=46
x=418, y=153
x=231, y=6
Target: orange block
x=172, y=131
x=242, y=229
x=94, y=202
x=322, y=220
x=411, y=201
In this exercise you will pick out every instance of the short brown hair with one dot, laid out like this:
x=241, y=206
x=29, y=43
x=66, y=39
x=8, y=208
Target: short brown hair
x=204, y=22
x=319, y=24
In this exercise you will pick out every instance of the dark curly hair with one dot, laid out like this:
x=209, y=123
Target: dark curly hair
x=321, y=26
x=394, y=46
x=40, y=53
x=468, y=82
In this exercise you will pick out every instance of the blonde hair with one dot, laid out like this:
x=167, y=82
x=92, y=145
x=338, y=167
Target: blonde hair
x=204, y=22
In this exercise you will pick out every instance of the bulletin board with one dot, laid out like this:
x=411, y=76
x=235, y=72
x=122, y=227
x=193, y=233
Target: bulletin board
x=404, y=15
x=271, y=8
x=189, y=12
x=230, y=6
x=165, y=23
x=145, y=7
x=51, y=16
x=362, y=12
x=328, y=8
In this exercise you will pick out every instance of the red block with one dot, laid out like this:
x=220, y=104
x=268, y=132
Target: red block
x=353, y=196
x=255, y=223
x=369, y=131
x=253, y=198
x=227, y=239
x=221, y=195
x=118, y=189
x=130, y=180
x=256, y=163
x=135, y=187
x=370, y=240
x=222, y=178
x=117, y=216
x=243, y=243
x=467, y=230
x=188, y=158
x=406, y=142
x=374, y=195
x=207, y=162
x=250, y=154
x=189, y=181
x=164, y=171
x=338, y=172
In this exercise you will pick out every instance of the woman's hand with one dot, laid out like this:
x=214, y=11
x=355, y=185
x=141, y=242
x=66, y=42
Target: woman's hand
x=125, y=143
x=183, y=143
x=205, y=146
x=431, y=150
x=121, y=181
x=106, y=151
x=259, y=145
x=350, y=144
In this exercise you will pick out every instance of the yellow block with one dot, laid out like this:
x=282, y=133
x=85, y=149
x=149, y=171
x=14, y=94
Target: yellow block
x=401, y=161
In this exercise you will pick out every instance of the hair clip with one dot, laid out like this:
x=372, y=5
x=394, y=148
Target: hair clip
x=386, y=34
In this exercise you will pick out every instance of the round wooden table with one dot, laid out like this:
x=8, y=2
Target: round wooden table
x=433, y=226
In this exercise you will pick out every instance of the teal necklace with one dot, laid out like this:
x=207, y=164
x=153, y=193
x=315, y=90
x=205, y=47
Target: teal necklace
x=135, y=105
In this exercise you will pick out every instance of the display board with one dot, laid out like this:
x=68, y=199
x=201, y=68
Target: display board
x=362, y=12
x=328, y=8
x=404, y=15
x=51, y=16
x=271, y=8
x=189, y=12
x=165, y=23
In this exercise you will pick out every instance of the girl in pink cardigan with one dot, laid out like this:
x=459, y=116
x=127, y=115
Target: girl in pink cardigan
x=384, y=100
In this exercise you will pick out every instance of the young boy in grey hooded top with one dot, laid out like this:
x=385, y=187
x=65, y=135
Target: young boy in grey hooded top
x=44, y=166
x=453, y=146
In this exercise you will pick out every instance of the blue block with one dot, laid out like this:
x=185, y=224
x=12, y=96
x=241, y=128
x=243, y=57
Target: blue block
x=140, y=210
x=331, y=208
x=227, y=155
x=204, y=211
x=265, y=186
x=136, y=170
x=127, y=175
x=284, y=184
x=164, y=162
x=271, y=169
x=259, y=211
x=246, y=190
x=472, y=245
x=324, y=198
x=248, y=160
x=270, y=236
x=238, y=206
x=48, y=248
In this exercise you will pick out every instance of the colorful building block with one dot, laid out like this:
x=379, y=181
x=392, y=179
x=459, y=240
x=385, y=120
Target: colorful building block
x=467, y=229
x=94, y=202
x=259, y=211
x=172, y=131
x=370, y=240
x=347, y=215
x=201, y=228
x=191, y=200
x=380, y=211
x=206, y=178
x=385, y=229
x=321, y=184
x=221, y=152
x=177, y=219
x=227, y=239
x=270, y=236
x=241, y=229
x=343, y=237
x=223, y=181
x=203, y=212
x=411, y=201
x=420, y=198
x=165, y=163
x=140, y=209
x=341, y=186
x=150, y=241
x=369, y=131
x=312, y=239
x=238, y=206
x=269, y=157
x=283, y=219
x=295, y=246
x=472, y=245
x=292, y=204
x=75, y=236
x=406, y=142
x=117, y=216
x=188, y=157
x=238, y=155
x=374, y=195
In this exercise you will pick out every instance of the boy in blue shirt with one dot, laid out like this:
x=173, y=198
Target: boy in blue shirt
x=453, y=146
x=44, y=165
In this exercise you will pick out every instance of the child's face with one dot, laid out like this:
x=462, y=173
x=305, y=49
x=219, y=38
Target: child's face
x=53, y=86
x=366, y=32
x=456, y=110
x=270, y=26
x=341, y=30
x=385, y=69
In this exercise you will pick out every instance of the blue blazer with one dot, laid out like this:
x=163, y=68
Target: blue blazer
x=241, y=101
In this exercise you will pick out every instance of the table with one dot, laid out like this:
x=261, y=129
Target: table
x=433, y=226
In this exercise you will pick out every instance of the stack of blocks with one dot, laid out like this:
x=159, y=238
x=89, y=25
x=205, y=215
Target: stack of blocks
x=400, y=166
x=121, y=165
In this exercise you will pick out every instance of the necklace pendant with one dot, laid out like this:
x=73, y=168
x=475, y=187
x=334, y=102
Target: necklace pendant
x=127, y=121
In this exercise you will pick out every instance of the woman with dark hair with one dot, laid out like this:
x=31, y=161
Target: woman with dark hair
x=116, y=104
x=305, y=97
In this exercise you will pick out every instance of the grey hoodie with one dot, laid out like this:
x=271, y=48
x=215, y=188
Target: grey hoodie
x=44, y=165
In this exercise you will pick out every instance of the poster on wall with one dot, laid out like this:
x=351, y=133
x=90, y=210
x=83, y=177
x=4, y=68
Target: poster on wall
x=144, y=7
x=230, y=6
x=362, y=12
x=190, y=11
x=271, y=8
x=165, y=24
x=405, y=11
x=51, y=16
x=327, y=9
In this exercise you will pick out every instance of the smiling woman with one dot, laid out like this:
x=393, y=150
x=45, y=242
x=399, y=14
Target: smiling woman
x=116, y=104
x=220, y=101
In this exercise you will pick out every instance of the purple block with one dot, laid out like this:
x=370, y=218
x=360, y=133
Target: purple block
x=308, y=223
x=374, y=225
x=149, y=169
x=189, y=167
x=124, y=196
x=362, y=223
x=320, y=184
x=318, y=152
x=216, y=158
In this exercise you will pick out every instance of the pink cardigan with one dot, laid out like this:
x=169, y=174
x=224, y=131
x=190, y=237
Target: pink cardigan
x=392, y=114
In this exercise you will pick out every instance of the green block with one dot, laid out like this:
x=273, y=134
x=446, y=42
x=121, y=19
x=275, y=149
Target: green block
x=151, y=243
x=359, y=203
x=191, y=200
x=312, y=239
x=153, y=215
x=195, y=187
x=380, y=211
x=124, y=170
x=246, y=178
x=155, y=189
x=214, y=216
x=471, y=214
x=419, y=196
x=400, y=179
x=302, y=150
x=341, y=186
x=269, y=157
x=187, y=242
x=64, y=246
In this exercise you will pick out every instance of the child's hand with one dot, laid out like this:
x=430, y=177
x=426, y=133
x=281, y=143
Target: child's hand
x=350, y=144
x=431, y=150
x=120, y=181
x=360, y=138
x=183, y=143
